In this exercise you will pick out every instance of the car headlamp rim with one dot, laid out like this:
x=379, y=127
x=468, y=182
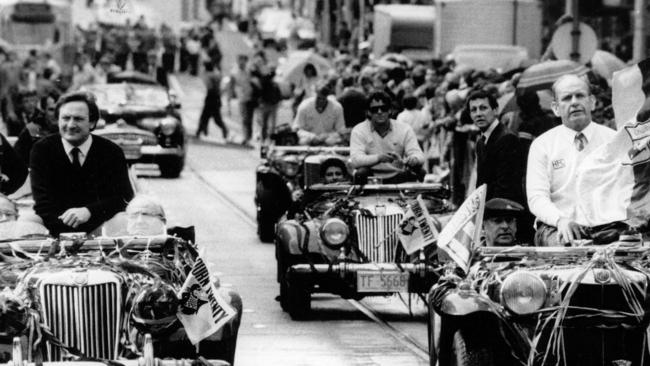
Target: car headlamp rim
x=168, y=126
x=523, y=292
x=334, y=232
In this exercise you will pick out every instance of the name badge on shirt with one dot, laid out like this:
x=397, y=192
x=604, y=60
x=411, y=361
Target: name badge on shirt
x=558, y=164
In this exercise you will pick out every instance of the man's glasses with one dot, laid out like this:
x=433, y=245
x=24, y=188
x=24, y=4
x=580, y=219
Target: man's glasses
x=379, y=109
x=144, y=215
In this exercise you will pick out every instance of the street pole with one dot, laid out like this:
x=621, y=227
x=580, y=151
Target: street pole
x=639, y=46
x=575, y=32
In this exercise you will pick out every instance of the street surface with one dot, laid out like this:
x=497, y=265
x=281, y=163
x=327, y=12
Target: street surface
x=215, y=194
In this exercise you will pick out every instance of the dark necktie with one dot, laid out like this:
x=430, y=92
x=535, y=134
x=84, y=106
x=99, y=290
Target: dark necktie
x=580, y=141
x=480, y=147
x=75, y=157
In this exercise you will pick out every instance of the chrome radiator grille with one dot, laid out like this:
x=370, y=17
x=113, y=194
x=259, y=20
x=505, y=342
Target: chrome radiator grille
x=85, y=317
x=377, y=236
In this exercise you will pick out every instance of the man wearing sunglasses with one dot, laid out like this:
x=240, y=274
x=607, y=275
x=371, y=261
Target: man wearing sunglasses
x=383, y=147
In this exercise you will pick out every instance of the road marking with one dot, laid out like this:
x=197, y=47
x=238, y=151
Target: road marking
x=403, y=338
x=238, y=210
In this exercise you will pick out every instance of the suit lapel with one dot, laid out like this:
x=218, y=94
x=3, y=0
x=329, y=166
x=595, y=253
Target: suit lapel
x=499, y=130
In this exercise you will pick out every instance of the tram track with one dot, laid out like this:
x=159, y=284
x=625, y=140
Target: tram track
x=404, y=339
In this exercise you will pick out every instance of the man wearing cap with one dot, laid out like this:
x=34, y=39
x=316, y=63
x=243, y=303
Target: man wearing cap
x=500, y=222
x=553, y=162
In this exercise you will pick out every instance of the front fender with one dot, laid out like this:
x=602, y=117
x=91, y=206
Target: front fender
x=291, y=236
x=296, y=239
x=456, y=303
x=447, y=299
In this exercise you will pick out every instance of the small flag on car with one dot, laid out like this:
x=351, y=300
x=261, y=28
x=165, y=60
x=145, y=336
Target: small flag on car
x=613, y=181
x=203, y=311
x=417, y=229
x=464, y=229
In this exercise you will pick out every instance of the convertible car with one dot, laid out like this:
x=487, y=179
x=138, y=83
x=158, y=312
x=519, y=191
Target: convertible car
x=143, y=119
x=345, y=241
x=284, y=170
x=107, y=299
x=584, y=305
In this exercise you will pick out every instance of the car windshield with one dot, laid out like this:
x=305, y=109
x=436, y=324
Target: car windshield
x=130, y=95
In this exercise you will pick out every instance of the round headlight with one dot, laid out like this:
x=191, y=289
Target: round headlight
x=155, y=308
x=523, y=292
x=334, y=232
x=168, y=126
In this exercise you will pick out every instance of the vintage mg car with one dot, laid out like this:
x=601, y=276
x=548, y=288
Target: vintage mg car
x=284, y=170
x=584, y=305
x=144, y=120
x=111, y=299
x=344, y=241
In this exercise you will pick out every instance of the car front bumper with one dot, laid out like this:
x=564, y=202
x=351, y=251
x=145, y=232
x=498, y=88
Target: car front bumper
x=345, y=278
x=153, y=154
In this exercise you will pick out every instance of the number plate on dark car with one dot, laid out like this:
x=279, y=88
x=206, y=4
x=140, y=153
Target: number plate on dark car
x=382, y=281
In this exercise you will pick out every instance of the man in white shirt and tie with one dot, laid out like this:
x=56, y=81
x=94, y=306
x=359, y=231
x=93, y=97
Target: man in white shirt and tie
x=553, y=163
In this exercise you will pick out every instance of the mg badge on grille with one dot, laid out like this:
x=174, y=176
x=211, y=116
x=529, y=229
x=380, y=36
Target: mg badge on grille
x=80, y=278
x=602, y=275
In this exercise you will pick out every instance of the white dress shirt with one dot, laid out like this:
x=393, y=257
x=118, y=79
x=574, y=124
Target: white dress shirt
x=553, y=163
x=83, y=149
x=490, y=129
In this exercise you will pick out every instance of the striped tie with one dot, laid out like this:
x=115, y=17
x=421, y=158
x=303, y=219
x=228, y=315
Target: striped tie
x=580, y=141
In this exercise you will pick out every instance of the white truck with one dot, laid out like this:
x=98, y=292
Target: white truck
x=439, y=28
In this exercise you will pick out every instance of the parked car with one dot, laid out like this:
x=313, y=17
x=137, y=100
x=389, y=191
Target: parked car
x=543, y=306
x=144, y=120
x=102, y=299
x=283, y=171
x=345, y=242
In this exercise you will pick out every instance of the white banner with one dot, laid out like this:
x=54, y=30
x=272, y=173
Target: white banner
x=417, y=229
x=203, y=311
x=464, y=229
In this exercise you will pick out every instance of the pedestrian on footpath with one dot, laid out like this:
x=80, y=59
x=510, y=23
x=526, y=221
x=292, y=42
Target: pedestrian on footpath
x=269, y=94
x=212, y=103
x=241, y=87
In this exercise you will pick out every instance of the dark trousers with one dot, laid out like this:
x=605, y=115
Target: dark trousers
x=168, y=61
x=211, y=108
x=183, y=59
x=247, y=111
x=193, y=63
x=546, y=235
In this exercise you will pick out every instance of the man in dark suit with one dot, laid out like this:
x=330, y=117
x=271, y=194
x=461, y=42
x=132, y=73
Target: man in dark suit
x=499, y=157
x=78, y=180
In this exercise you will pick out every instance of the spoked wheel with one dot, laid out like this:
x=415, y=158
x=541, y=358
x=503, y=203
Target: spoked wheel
x=471, y=349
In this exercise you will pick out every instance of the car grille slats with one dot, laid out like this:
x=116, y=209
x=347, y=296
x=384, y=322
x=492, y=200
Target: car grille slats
x=85, y=317
x=377, y=236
